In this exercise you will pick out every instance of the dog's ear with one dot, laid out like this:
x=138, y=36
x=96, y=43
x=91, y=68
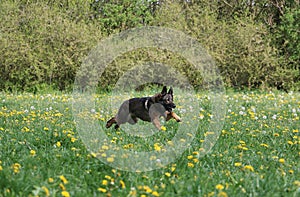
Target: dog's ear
x=164, y=90
x=156, y=97
x=170, y=91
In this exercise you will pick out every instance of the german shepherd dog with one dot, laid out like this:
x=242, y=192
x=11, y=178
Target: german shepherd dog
x=147, y=109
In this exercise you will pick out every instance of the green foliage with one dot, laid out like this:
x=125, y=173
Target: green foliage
x=288, y=42
x=43, y=43
x=115, y=16
x=39, y=44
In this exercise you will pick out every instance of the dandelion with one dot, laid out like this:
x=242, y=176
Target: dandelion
x=157, y=147
x=147, y=189
x=168, y=174
x=32, y=152
x=123, y=186
x=110, y=159
x=249, y=167
x=63, y=179
x=104, y=182
x=50, y=180
x=65, y=194
x=265, y=145
x=58, y=144
x=191, y=165
x=222, y=194
x=62, y=187
x=155, y=193
x=237, y=164
x=219, y=187
x=163, y=128
x=47, y=193
x=281, y=160
x=16, y=167
x=297, y=183
x=190, y=157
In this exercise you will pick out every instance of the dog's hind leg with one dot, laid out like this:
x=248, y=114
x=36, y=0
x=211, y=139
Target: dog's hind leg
x=111, y=122
x=156, y=123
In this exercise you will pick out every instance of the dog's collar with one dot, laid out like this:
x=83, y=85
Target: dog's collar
x=146, y=104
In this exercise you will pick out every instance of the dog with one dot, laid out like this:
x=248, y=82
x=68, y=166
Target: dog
x=148, y=109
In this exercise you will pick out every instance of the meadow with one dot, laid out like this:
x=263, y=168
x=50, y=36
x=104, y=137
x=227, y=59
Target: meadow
x=257, y=152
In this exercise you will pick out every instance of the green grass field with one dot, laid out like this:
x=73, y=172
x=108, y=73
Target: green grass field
x=257, y=153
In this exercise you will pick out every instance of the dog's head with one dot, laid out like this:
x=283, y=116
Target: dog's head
x=165, y=98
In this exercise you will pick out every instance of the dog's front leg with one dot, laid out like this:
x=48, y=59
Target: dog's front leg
x=173, y=115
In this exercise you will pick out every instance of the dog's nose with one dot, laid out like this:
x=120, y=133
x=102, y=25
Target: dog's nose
x=174, y=106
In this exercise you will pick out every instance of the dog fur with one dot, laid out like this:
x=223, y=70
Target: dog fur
x=148, y=109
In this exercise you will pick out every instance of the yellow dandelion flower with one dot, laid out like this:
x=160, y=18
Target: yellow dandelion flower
x=190, y=157
x=107, y=177
x=163, y=128
x=103, y=190
x=222, y=194
x=191, y=165
x=265, y=145
x=237, y=164
x=94, y=155
x=62, y=187
x=1, y=168
x=47, y=193
x=157, y=147
x=58, y=144
x=281, y=160
x=65, y=194
x=249, y=167
x=105, y=147
x=147, y=189
x=32, y=152
x=219, y=187
x=168, y=174
x=110, y=159
x=123, y=186
x=155, y=193
x=63, y=179
x=173, y=168
x=297, y=183
x=16, y=167
x=50, y=180
x=104, y=182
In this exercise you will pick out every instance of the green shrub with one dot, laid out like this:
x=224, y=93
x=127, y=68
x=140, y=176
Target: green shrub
x=40, y=44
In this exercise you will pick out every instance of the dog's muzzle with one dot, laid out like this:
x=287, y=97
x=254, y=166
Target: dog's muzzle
x=170, y=106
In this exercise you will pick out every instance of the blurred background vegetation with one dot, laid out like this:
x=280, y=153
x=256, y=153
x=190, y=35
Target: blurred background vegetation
x=256, y=43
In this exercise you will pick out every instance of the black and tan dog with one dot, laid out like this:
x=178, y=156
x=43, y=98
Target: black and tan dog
x=147, y=109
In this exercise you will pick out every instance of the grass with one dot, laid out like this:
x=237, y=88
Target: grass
x=257, y=153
